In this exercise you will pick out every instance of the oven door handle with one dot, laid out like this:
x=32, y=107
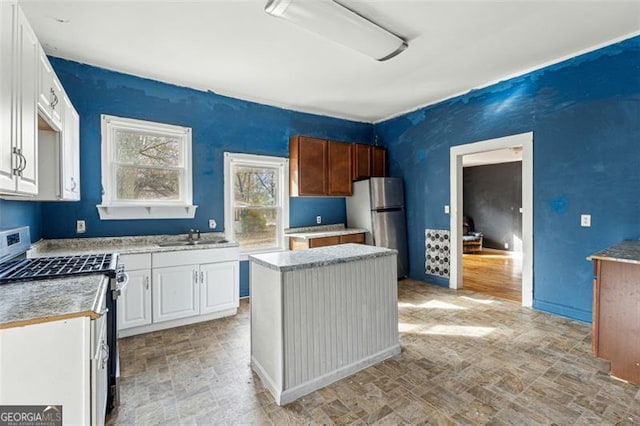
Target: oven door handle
x=121, y=282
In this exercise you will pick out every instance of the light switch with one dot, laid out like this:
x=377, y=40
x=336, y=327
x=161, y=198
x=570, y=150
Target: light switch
x=446, y=209
x=585, y=220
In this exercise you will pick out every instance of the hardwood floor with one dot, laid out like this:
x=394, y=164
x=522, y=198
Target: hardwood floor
x=494, y=272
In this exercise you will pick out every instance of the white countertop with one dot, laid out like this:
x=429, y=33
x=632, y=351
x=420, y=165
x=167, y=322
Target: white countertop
x=31, y=302
x=123, y=245
x=321, y=256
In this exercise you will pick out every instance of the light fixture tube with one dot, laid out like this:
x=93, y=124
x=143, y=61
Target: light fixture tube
x=339, y=24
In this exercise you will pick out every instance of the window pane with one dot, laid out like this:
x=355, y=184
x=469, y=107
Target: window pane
x=147, y=149
x=147, y=184
x=255, y=186
x=256, y=227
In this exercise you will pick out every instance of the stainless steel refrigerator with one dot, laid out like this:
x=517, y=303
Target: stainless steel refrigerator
x=377, y=205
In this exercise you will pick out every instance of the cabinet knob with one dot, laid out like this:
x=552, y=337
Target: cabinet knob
x=74, y=185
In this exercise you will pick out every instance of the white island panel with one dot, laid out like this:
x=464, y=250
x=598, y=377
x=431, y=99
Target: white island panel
x=322, y=320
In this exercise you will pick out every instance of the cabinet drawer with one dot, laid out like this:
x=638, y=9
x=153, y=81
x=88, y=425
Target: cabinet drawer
x=134, y=262
x=324, y=241
x=352, y=238
x=194, y=257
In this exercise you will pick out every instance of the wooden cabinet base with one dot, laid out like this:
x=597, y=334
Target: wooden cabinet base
x=616, y=317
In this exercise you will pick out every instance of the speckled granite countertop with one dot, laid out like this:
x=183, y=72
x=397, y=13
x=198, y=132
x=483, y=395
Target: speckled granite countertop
x=321, y=256
x=34, y=302
x=626, y=251
x=322, y=231
x=124, y=245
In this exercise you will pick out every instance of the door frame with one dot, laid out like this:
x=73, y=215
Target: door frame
x=524, y=140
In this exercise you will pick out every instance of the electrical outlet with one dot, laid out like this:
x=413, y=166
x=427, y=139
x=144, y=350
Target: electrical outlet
x=80, y=226
x=585, y=220
x=318, y=220
x=446, y=210
x=212, y=224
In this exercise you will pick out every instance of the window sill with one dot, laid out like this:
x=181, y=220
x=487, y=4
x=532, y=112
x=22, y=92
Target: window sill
x=146, y=212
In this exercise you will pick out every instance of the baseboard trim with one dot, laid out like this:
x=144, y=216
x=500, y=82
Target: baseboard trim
x=175, y=323
x=563, y=311
x=286, y=396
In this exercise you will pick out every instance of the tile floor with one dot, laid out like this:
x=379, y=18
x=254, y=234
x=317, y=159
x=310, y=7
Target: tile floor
x=466, y=359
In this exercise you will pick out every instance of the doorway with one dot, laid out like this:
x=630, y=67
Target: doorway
x=523, y=142
x=492, y=223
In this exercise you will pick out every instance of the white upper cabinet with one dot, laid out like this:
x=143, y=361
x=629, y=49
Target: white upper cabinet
x=37, y=119
x=70, y=155
x=7, y=122
x=18, y=105
x=50, y=94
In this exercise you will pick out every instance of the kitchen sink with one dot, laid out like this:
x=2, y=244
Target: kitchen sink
x=190, y=243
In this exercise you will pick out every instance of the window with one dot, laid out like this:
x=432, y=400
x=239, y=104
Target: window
x=146, y=170
x=256, y=194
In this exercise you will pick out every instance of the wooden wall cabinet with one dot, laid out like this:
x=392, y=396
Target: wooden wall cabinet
x=368, y=161
x=339, y=167
x=319, y=167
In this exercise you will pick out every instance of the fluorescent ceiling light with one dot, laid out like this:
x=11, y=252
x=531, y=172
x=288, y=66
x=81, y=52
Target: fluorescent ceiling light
x=339, y=24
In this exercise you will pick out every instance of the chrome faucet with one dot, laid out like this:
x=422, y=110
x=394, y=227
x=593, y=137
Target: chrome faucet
x=192, y=233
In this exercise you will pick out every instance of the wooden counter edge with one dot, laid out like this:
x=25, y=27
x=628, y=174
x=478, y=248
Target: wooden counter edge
x=23, y=323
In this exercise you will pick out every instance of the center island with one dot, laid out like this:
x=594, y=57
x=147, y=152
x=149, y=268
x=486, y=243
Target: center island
x=320, y=315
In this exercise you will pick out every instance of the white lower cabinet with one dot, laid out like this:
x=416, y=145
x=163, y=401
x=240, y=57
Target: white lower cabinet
x=134, y=305
x=168, y=289
x=215, y=292
x=175, y=293
x=59, y=362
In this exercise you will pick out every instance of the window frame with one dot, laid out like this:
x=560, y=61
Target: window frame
x=232, y=160
x=112, y=208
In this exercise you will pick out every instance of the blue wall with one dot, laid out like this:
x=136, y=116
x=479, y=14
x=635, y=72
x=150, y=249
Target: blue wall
x=585, y=118
x=22, y=213
x=219, y=124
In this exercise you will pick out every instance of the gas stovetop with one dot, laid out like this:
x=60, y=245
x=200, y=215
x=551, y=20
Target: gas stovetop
x=56, y=267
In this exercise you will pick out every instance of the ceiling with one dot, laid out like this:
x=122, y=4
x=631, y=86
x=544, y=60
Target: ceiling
x=235, y=49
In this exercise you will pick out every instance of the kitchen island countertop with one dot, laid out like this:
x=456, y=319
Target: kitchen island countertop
x=32, y=302
x=321, y=256
x=627, y=251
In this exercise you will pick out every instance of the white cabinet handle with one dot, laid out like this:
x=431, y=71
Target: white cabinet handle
x=195, y=277
x=146, y=279
x=54, y=99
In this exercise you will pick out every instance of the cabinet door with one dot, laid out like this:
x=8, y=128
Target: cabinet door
x=70, y=155
x=219, y=288
x=361, y=161
x=352, y=238
x=378, y=161
x=134, y=304
x=175, y=293
x=339, y=168
x=324, y=241
x=308, y=164
x=27, y=142
x=7, y=99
